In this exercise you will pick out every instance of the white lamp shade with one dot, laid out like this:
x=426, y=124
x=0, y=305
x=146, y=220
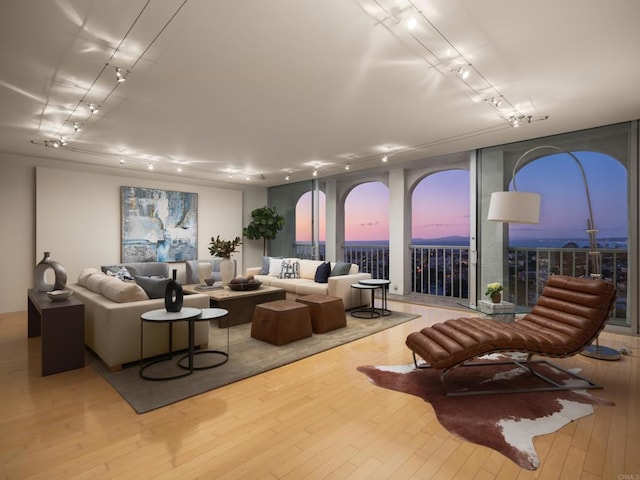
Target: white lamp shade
x=514, y=207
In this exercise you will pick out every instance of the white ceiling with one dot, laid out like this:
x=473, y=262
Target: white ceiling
x=265, y=87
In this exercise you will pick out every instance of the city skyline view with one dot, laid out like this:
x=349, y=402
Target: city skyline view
x=441, y=204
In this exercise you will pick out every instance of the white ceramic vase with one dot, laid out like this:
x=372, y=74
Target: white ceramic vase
x=226, y=270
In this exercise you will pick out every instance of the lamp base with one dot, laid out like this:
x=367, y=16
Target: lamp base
x=601, y=353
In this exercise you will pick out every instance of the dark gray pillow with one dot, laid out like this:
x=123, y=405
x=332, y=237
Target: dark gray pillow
x=322, y=273
x=154, y=287
x=340, y=268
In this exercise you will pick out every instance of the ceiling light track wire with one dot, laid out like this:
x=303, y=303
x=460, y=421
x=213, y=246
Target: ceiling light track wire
x=467, y=64
x=115, y=52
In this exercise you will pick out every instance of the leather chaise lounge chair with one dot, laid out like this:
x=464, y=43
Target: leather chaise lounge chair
x=569, y=315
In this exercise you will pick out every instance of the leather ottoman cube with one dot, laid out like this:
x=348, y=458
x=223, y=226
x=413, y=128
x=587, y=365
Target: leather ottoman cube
x=281, y=322
x=327, y=312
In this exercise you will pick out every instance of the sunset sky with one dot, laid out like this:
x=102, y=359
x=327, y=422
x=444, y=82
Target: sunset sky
x=441, y=202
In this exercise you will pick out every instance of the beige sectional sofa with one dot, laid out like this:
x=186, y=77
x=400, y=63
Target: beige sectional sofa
x=337, y=286
x=112, y=310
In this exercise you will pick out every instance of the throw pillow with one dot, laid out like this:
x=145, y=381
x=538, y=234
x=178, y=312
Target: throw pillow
x=340, y=268
x=121, y=292
x=289, y=269
x=154, y=287
x=122, y=274
x=275, y=267
x=266, y=262
x=322, y=273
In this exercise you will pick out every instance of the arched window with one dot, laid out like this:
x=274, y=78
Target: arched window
x=440, y=234
x=366, y=214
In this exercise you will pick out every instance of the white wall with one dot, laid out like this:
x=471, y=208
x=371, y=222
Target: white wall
x=74, y=212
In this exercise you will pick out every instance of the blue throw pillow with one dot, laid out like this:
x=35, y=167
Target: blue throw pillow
x=322, y=273
x=340, y=268
x=154, y=287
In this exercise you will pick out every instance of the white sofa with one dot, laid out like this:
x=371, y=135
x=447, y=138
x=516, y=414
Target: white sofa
x=337, y=286
x=112, y=310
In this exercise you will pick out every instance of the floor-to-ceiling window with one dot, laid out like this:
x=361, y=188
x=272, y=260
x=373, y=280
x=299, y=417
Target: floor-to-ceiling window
x=440, y=234
x=366, y=228
x=307, y=231
x=523, y=256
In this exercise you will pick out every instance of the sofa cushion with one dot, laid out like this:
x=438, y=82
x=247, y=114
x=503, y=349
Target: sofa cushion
x=340, y=268
x=154, y=287
x=308, y=268
x=94, y=282
x=85, y=274
x=122, y=292
x=287, y=284
x=322, y=273
x=309, y=287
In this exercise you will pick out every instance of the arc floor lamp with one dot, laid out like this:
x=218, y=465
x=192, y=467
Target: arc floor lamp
x=524, y=207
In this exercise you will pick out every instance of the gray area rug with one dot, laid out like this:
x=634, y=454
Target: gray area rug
x=247, y=357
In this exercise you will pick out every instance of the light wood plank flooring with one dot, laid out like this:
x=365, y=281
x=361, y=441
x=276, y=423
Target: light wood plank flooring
x=315, y=419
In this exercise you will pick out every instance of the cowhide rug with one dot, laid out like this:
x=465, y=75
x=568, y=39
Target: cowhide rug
x=505, y=422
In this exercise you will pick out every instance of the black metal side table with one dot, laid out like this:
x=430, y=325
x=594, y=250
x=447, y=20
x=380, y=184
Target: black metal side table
x=206, y=315
x=384, y=285
x=366, y=312
x=187, y=314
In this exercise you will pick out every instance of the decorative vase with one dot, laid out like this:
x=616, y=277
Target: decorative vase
x=40, y=272
x=173, y=296
x=227, y=268
x=204, y=271
x=496, y=297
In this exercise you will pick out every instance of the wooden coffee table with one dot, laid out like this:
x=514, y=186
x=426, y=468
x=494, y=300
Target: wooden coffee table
x=240, y=305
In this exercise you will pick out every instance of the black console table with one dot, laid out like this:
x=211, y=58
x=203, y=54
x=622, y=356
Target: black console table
x=61, y=325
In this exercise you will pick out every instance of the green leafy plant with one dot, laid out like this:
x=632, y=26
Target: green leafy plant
x=493, y=288
x=265, y=224
x=223, y=248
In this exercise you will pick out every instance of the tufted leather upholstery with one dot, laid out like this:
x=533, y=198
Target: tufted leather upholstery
x=568, y=316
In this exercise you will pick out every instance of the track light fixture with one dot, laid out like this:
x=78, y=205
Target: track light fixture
x=77, y=126
x=150, y=166
x=347, y=166
x=94, y=108
x=462, y=72
x=384, y=159
x=119, y=75
x=517, y=120
x=287, y=177
x=495, y=101
x=315, y=172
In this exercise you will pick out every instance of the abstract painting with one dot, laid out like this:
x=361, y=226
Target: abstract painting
x=158, y=225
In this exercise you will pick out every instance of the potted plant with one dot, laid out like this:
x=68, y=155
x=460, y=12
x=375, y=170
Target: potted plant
x=224, y=249
x=265, y=224
x=493, y=292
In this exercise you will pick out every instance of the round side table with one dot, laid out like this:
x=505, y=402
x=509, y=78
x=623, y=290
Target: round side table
x=366, y=312
x=206, y=315
x=187, y=314
x=384, y=285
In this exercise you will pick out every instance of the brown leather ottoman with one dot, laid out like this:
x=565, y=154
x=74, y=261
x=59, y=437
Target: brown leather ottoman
x=327, y=313
x=281, y=322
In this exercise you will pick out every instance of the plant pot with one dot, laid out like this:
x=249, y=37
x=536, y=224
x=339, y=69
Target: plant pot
x=226, y=270
x=496, y=298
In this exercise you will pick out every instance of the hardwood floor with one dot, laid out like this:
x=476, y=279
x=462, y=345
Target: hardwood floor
x=316, y=418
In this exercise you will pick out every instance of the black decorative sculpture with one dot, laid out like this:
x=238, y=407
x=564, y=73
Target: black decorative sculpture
x=173, y=296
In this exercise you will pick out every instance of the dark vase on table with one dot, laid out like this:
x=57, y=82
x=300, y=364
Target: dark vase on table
x=173, y=296
x=496, y=297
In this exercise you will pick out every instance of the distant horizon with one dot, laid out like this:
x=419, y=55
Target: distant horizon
x=462, y=241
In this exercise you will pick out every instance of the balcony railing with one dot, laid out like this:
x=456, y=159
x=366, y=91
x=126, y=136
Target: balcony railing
x=529, y=270
x=444, y=270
